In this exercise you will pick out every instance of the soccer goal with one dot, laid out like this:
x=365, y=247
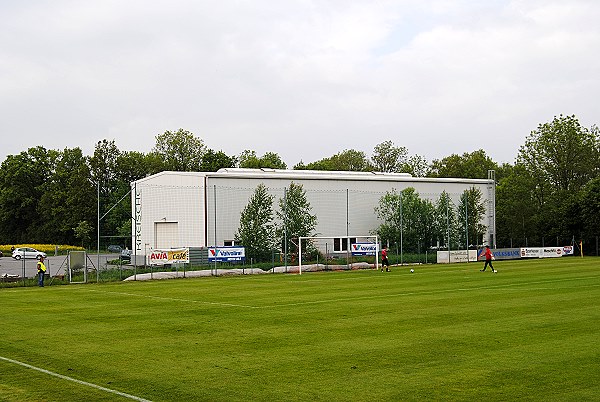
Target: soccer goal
x=320, y=250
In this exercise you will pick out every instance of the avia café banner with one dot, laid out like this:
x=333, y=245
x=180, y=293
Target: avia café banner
x=226, y=254
x=364, y=249
x=169, y=256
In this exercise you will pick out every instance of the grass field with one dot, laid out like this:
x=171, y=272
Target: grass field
x=529, y=332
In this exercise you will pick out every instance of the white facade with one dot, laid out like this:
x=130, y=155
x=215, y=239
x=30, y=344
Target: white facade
x=195, y=209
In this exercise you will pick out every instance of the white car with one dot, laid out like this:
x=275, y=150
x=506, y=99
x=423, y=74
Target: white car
x=27, y=252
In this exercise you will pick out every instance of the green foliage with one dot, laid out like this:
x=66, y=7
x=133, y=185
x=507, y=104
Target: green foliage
x=257, y=230
x=23, y=182
x=68, y=198
x=83, y=232
x=180, y=150
x=474, y=165
x=296, y=219
x=561, y=154
x=540, y=196
x=445, y=224
x=589, y=207
x=269, y=160
x=471, y=210
x=389, y=158
x=213, y=161
x=347, y=160
x=407, y=220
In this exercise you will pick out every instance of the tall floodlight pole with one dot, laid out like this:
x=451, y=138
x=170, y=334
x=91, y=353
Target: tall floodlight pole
x=285, y=228
x=467, y=223
x=448, y=225
x=215, y=213
x=347, y=230
x=401, y=232
x=98, y=253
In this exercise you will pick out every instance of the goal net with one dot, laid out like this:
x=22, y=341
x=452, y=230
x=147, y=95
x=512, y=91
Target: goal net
x=342, y=252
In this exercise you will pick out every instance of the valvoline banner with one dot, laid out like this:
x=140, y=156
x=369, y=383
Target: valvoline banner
x=364, y=249
x=169, y=256
x=226, y=254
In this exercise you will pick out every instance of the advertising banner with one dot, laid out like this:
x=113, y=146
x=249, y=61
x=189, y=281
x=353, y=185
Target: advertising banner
x=456, y=256
x=502, y=254
x=226, y=254
x=531, y=252
x=541, y=252
x=551, y=252
x=169, y=256
x=568, y=250
x=364, y=249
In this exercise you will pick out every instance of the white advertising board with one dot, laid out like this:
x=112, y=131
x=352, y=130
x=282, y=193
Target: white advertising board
x=456, y=256
x=541, y=252
x=226, y=254
x=364, y=249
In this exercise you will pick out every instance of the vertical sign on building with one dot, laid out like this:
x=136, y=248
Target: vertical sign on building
x=138, y=219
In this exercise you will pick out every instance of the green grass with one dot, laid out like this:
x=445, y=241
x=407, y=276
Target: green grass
x=529, y=332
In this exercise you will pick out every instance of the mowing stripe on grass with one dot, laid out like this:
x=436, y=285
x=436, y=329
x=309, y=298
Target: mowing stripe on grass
x=64, y=377
x=174, y=299
x=368, y=297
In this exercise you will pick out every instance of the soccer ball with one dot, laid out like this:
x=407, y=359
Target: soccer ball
x=412, y=270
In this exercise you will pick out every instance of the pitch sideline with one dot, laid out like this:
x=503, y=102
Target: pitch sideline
x=64, y=377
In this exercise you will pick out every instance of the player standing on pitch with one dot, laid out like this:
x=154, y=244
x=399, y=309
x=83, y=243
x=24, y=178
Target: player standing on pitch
x=384, y=260
x=489, y=256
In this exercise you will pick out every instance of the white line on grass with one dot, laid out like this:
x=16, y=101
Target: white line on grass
x=64, y=377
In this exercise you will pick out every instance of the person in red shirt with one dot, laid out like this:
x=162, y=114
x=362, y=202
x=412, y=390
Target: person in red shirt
x=384, y=260
x=489, y=256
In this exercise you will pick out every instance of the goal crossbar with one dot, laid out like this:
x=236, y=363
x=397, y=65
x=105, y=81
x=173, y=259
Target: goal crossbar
x=338, y=237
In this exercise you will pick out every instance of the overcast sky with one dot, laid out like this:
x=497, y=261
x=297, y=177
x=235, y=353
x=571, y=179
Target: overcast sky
x=302, y=78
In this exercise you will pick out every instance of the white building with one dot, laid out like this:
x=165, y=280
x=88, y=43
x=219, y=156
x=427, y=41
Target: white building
x=195, y=209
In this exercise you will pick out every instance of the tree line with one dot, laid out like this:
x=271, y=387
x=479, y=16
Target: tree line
x=551, y=191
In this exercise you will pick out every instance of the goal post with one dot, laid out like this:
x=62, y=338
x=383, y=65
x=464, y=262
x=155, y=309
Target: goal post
x=366, y=245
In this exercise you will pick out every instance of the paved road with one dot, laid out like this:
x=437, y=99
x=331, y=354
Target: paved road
x=55, y=265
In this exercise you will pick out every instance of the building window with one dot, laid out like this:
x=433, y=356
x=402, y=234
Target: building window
x=228, y=243
x=341, y=243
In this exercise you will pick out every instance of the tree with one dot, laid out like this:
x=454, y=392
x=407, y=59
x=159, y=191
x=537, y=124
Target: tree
x=112, y=184
x=133, y=165
x=516, y=208
x=296, y=219
x=560, y=157
x=407, y=219
x=445, y=223
x=213, y=161
x=389, y=158
x=257, y=230
x=69, y=197
x=23, y=181
x=474, y=165
x=417, y=166
x=269, y=160
x=589, y=205
x=83, y=231
x=181, y=150
x=103, y=163
x=562, y=153
x=348, y=160
x=471, y=211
